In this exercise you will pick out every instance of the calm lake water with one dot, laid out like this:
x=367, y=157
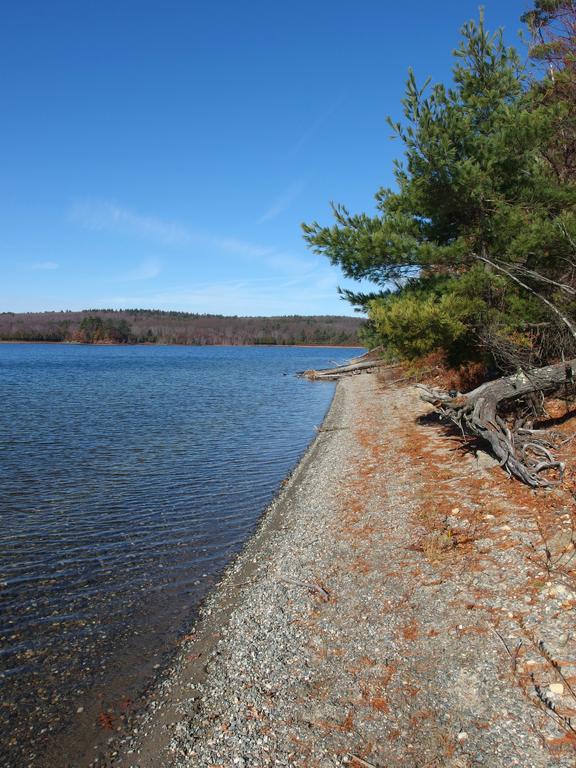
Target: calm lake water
x=129, y=477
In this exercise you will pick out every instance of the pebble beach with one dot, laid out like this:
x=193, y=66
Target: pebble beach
x=390, y=611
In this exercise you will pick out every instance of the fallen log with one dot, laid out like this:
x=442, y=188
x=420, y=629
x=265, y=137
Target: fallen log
x=524, y=452
x=371, y=354
x=346, y=370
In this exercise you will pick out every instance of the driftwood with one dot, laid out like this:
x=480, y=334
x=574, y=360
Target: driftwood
x=347, y=370
x=361, y=761
x=313, y=588
x=523, y=451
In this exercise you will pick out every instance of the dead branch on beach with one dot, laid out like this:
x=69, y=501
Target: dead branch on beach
x=502, y=412
x=366, y=363
x=365, y=366
x=361, y=761
x=313, y=588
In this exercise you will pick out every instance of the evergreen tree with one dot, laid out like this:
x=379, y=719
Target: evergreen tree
x=552, y=25
x=473, y=245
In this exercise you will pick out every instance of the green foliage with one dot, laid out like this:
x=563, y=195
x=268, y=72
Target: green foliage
x=552, y=26
x=476, y=206
x=94, y=329
x=412, y=325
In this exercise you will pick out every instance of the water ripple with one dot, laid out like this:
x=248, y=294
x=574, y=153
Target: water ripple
x=129, y=476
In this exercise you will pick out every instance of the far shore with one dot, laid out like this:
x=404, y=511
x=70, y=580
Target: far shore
x=166, y=344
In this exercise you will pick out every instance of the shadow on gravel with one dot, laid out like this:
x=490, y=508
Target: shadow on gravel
x=466, y=445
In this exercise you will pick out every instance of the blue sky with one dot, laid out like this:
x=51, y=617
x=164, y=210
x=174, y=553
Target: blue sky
x=162, y=153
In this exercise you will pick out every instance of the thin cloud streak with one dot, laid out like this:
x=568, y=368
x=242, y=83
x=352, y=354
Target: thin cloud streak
x=238, y=297
x=44, y=266
x=284, y=202
x=315, y=126
x=106, y=216
x=147, y=270
x=103, y=216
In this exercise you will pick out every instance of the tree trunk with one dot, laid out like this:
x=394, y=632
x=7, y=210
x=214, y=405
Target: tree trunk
x=346, y=370
x=521, y=450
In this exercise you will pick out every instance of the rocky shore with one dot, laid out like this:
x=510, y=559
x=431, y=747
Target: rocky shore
x=403, y=604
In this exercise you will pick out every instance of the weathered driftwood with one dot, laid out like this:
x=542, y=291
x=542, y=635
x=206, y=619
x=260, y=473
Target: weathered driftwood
x=523, y=451
x=347, y=370
x=313, y=588
x=361, y=761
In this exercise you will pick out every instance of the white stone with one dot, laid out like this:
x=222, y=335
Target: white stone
x=485, y=461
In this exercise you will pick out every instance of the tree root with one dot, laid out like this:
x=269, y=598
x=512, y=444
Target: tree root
x=525, y=453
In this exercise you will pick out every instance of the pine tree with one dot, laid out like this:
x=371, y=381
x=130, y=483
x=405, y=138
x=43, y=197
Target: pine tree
x=480, y=230
x=552, y=25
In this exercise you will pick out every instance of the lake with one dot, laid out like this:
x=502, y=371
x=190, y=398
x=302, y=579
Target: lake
x=129, y=478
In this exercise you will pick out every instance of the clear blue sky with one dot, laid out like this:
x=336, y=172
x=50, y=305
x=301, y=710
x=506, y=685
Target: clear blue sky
x=162, y=153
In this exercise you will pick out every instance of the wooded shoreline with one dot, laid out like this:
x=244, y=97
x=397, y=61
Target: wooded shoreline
x=159, y=327
x=167, y=344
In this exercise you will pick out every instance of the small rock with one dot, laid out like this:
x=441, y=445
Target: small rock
x=556, y=688
x=455, y=522
x=485, y=461
x=561, y=592
x=561, y=545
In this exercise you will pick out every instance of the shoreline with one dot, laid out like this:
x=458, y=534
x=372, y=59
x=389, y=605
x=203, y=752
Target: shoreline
x=168, y=344
x=371, y=617
x=103, y=683
x=64, y=749
x=187, y=669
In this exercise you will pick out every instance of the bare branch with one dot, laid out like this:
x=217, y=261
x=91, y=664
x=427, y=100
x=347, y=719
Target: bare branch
x=546, y=301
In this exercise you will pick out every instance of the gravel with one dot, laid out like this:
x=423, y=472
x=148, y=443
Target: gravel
x=363, y=625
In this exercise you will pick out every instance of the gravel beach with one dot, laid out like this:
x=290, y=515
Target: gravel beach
x=396, y=608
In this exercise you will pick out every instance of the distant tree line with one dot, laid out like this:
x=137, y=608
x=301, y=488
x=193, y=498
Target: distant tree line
x=147, y=326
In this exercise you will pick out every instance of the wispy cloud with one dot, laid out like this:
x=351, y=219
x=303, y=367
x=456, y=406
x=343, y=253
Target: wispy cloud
x=283, y=202
x=106, y=216
x=147, y=270
x=316, y=124
x=240, y=297
x=103, y=216
x=234, y=245
x=44, y=265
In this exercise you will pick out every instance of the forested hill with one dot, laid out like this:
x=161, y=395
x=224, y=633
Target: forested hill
x=157, y=327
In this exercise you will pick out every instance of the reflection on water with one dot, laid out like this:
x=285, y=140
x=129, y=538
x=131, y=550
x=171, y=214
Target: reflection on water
x=128, y=478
